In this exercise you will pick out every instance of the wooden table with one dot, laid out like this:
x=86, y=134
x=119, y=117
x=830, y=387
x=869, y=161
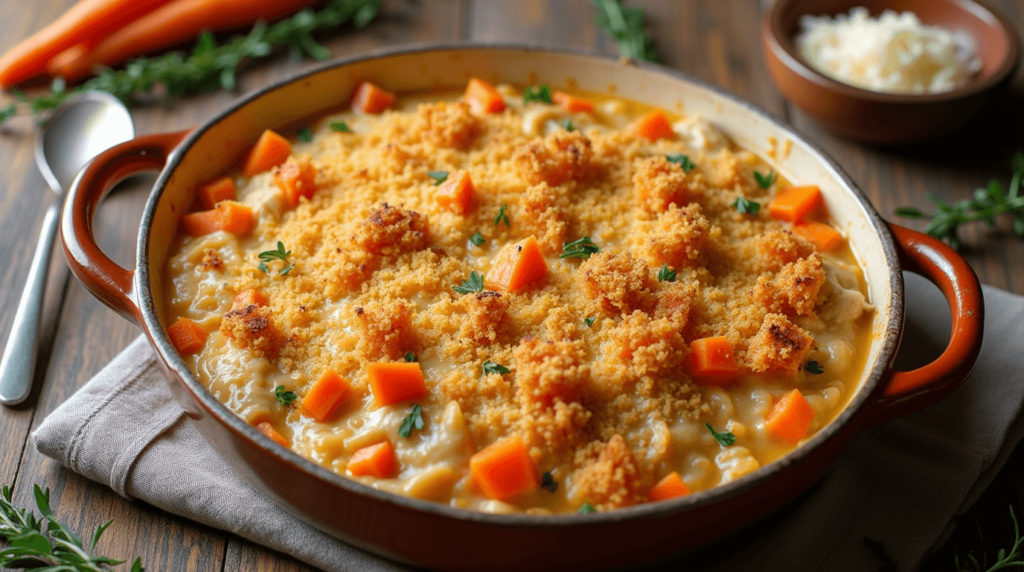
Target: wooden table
x=714, y=40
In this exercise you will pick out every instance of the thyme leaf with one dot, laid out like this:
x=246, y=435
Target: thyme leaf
x=475, y=283
x=724, y=439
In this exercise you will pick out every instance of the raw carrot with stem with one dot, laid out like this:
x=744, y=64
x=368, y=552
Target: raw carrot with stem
x=395, y=382
x=85, y=24
x=791, y=417
x=670, y=487
x=325, y=396
x=186, y=336
x=713, y=361
x=271, y=150
x=517, y=266
x=793, y=204
x=212, y=192
x=374, y=461
x=504, y=469
x=174, y=22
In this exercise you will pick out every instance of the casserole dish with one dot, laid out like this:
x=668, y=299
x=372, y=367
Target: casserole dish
x=442, y=537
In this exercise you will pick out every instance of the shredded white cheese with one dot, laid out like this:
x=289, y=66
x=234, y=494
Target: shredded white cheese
x=891, y=53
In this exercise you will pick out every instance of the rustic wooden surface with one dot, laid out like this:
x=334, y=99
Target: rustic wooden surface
x=715, y=40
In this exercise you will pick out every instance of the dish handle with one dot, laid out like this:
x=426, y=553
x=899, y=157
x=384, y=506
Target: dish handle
x=108, y=281
x=908, y=391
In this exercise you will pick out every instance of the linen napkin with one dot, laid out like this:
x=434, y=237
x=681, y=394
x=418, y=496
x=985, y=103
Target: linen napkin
x=900, y=483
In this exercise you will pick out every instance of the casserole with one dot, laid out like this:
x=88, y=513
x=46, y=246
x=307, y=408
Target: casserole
x=438, y=536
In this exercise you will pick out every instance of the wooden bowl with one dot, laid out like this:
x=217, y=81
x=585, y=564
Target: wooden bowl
x=439, y=536
x=890, y=118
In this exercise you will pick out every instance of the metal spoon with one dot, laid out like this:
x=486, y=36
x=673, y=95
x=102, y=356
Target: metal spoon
x=82, y=127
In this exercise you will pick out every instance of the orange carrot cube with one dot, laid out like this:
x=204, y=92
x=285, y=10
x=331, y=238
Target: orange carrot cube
x=369, y=98
x=375, y=461
x=456, y=193
x=483, y=98
x=212, y=192
x=270, y=151
x=791, y=417
x=670, y=487
x=504, y=469
x=653, y=126
x=186, y=336
x=330, y=391
x=517, y=267
x=395, y=382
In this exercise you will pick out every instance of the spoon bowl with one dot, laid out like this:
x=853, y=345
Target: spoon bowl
x=81, y=128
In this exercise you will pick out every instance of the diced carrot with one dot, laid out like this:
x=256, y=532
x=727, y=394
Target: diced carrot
x=504, y=469
x=270, y=151
x=670, y=487
x=228, y=216
x=296, y=180
x=212, y=192
x=572, y=103
x=653, y=126
x=456, y=193
x=483, y=98
x=374, y=461
x=186, y=336
x=713, y=361
x=268, y=430
x=517, y=266
x=790, y=418
x=369, y=98
x=822, y=235
x=325, y=396
x=395, y=382
x=794, y=203
x=249, y=297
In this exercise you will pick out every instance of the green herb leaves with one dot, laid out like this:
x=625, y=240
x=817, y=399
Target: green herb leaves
x=492, y=367
x=272, y=255
x=814, y=368
x=987, y=204
x=586, y=508
x=475, y=283
x=409, y=357
x=477, y=239
x=548, y=482
x=581, y=248
x=683, y=161
x=589, y=321
x=46, y=543
x=746, y=206
x=724, y=439
x=765, y=181
x=538, y=93
x=1004, y=558
x=210, y=66
x=567, y=125
x=305, y=135
x=626, y=27
x=502, y=215
x=438, y=176
x=414, y=420
x=666, y=274
x=284, y=397
x=340, y=127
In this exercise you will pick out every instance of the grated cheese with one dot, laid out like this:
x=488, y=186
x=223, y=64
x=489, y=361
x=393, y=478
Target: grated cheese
x=892, y=53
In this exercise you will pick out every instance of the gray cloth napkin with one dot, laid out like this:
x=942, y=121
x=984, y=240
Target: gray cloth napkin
x=900, y=483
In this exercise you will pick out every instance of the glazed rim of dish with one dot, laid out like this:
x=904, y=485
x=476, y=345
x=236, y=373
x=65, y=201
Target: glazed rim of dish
x=981, y=10
x=892, y=331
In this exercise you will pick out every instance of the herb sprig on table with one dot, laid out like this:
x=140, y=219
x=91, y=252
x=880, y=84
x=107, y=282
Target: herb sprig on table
x=626, y=27
x=209, y=66
x=45, y=543
x=987, y=204
x=1004, y=558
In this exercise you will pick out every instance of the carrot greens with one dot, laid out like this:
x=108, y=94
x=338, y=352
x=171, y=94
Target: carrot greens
x=209, y=66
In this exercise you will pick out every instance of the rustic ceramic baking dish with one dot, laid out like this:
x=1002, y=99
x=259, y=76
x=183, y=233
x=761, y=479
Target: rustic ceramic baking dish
x=442, y=537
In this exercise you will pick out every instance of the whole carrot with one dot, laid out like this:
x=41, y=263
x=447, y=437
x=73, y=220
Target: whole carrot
x=86, y=24
x=173, y=23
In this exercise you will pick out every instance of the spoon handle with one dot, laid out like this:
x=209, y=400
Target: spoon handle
x=19, y=361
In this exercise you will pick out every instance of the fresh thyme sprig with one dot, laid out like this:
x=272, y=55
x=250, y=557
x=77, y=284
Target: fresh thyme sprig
x=45, y=542
x=1004, y=558
x=988, y=203
x=626, y=27
x=724, y=438
x=285, y=397
x=475, y=283
x=414, y=420
x=279, y=254
x=539, y=93
x=209, y=66
x=581, y=248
